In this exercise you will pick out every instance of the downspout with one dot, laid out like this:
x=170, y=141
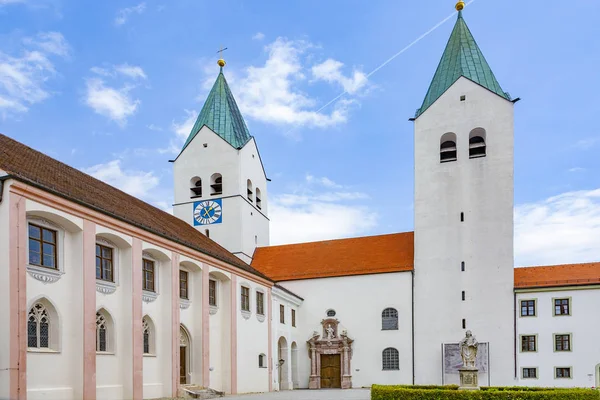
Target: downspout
x=413, y=325
x=2, y=179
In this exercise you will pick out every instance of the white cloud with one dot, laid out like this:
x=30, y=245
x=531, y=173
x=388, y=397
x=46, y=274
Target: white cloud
x=587, y=143
x=124, y=13
x=137, y=183
x=6, y=2
x=272, y=93
x=258, y=36
x=132, y=71
x=114, y=103
x=182, y=130
x=23, y=78
x=577, y=169
x=314, y=213
x=331, y=71
x=560, y=229
x=154, y=127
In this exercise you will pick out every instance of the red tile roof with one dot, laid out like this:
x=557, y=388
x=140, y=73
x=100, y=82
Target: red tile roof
x=557, y=275
x=342, y=257
x=39, y=170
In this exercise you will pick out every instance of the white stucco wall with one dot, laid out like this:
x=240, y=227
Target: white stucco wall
x=252, y=340
x=243, y=226
x=583, y=324
x=482, y=189
x=358, y=302
x=220, y=333
x=191, y=318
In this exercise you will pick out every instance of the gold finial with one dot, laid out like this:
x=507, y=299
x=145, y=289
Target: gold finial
x=221, y=61
x=460, y=5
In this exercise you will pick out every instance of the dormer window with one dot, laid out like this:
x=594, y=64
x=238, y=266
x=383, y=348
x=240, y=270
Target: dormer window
x=477, y=146
x=249, y=192
x=196, y=187
x=216, y=184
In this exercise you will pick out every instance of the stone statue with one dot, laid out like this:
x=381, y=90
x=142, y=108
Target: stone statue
x=468, y=350
x=329, y=330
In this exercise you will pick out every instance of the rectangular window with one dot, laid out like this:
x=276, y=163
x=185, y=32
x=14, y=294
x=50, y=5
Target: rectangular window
x=293, y=317
x=42, y=247
x=527, y=308
x=104, y=263
x=183, y=284
x=245, y=299
x=260, y=303
x=212, y=292
x=529, y=373
x=148, y=275
x=528, y=343
x=562, y=372
x=562, y=342
x=561, y=307
x=282, y=313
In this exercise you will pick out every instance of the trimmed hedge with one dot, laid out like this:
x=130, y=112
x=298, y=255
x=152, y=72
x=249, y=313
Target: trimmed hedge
x=451, y=392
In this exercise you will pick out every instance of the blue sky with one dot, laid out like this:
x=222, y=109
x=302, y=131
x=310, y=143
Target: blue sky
x=113, y=87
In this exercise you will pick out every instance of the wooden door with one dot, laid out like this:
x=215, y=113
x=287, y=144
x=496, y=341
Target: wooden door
x=331, y=371
x=182, y=365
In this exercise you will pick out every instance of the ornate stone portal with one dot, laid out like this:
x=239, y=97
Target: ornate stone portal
x=325, y=350
x=469, y=372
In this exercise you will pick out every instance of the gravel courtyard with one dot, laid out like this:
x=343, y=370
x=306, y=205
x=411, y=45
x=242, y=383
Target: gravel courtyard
x=324, y=394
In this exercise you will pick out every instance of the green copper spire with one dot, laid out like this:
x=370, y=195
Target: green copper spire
x=462, y=57
x=222, y=115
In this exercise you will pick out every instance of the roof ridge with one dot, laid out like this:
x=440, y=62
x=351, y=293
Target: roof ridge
x=337, y=239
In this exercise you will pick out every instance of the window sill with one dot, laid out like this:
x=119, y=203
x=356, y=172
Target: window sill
x=196, y=197
x=149, y=355
x=216, y=194
x=44, y=274
x=212, y=310
x=390, y=329
x=262, y=367
x=391, y=369
x=184, y=304
x=149, y=297
x=246, y=314
x=477, y=156
x=105, y=287
x=42, y=350
x=260, y=317
x=105, y=353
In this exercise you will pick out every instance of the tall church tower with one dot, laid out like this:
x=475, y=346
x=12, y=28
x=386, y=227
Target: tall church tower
x=220, y=182
x=464, y=216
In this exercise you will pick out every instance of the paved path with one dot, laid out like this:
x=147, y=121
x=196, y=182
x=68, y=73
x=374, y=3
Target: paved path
x=324, y=394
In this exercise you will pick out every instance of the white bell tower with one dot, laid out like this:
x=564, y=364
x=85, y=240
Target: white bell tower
x=220, y=182
x=464, y=213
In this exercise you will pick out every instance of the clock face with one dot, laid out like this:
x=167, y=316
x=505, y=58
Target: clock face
x=208, y=212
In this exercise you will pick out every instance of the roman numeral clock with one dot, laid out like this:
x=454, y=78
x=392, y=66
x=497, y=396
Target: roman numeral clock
x=208, y=212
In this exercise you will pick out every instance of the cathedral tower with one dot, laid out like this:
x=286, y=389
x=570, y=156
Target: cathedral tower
x=464, y=216
x=220, y=182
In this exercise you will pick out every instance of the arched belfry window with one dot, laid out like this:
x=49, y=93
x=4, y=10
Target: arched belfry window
x=38, y=327
x=477, y=147
x=258, y=199
x=249, y=191
x=196, y=187
x=389, y=319
x=390, y=359
x=216, y=184
x=448, y=151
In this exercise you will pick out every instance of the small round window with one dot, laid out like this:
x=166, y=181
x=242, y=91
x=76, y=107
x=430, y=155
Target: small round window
x=331, y=313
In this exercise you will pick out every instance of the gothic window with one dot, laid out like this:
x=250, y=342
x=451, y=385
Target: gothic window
x=104, y=263
x=38, y=327
x=216, y=184
x=249, y=190
x=477, y=146
x=260, y=303
x=258, y=199
x=245, y=299
x=183, y=284
x=389, y=319
x=104, y=331
x=148, y=335
x=212, y=292
x=391, y=359
x=42, y=246
x=196, y=187
x=448, y=151
x=148, y=275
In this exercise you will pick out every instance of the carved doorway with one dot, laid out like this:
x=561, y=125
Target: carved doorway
x=182, y=365
x=331, y=371
x=184, y=355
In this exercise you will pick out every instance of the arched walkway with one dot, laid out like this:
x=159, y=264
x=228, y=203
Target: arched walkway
x=185, y=354
x=282, y=363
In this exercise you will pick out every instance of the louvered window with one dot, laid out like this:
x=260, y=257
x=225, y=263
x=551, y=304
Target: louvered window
x=389, y=319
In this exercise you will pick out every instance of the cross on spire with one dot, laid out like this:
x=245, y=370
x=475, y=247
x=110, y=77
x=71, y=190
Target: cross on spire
x=221, y=61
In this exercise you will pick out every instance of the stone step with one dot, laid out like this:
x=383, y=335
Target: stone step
x=199, y=392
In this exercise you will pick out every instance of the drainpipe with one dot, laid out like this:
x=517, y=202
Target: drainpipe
x=413, y=325
x=2, y=179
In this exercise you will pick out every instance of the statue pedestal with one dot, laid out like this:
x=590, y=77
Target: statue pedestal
x=469, y=378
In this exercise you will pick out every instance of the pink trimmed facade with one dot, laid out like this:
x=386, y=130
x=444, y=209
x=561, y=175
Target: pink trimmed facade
x=129, y=366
